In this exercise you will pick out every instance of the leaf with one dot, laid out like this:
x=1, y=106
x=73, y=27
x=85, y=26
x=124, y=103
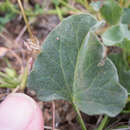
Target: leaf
x=117, y=35
x=124, y=74
x=126, y=16
x=113, y=36
x=125, y=45
x=67, y=68
x=96, y=88
x=58, y=58
x=111, y=11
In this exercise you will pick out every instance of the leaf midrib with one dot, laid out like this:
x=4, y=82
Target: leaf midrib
x=83, y=41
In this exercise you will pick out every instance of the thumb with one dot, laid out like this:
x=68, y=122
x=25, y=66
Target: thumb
x=20, y=112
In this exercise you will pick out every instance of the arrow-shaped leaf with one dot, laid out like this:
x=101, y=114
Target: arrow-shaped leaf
x=68, y=68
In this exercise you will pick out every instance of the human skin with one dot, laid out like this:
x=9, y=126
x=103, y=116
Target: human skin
x=20, y=112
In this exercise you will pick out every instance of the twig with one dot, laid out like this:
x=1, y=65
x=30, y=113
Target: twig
x=25, y=19
x=16, y=89
x=20, y=34
x=99, y=120
x=53, y=114
x=5, y=38
x=50, y=128
x=18, y=59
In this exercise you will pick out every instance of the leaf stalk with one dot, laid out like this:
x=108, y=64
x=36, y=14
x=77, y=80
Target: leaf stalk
x=79, y=117
x=103, y=123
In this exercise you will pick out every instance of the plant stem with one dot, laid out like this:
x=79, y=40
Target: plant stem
x=125, y=111
x=79, y=117
x=121, y=3
x=59, y=13
x=25, y=19
x=24, y=79
x=68, y=6
x=63, y=11
x=103, y=123
x=86, y=4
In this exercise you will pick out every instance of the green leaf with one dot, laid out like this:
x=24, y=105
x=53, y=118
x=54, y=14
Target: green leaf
x=113, y=35
x=57, y=61
x=10, y=72
x=111, y=11
x=117, y=35
x=126, y=16
x=125, y=45
x=68, y=68
x=96, y=87
x=124, y=74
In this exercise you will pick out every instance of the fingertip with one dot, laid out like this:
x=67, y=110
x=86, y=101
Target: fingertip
x=19, y=112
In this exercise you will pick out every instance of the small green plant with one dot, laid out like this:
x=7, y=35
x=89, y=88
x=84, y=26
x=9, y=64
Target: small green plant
x=74, y=63
x=9, y=78
x=7, y=12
